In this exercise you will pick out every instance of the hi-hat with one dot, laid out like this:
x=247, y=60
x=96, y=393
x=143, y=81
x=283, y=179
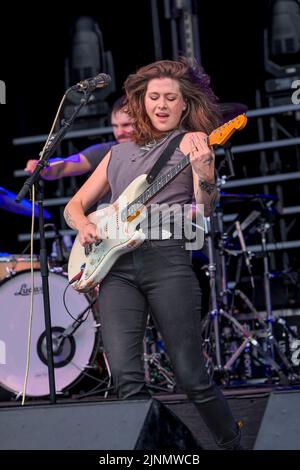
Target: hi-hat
x=231, y=110
x=8, y=203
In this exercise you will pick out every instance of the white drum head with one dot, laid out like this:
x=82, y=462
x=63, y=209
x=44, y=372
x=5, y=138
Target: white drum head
x=69, y=360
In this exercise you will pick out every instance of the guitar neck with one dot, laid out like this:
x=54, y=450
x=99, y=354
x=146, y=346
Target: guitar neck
x=158, y=185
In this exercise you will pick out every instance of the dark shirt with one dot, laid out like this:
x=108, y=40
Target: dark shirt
x=95, y=153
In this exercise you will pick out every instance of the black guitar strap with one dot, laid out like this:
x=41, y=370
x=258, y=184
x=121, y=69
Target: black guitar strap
x=165, y=156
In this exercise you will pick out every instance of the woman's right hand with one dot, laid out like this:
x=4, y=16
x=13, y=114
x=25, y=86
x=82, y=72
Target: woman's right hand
x=88, y=234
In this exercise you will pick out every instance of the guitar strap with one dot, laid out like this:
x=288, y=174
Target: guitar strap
x=165, y=156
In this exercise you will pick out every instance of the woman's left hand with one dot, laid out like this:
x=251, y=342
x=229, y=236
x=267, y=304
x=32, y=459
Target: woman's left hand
x=202, y=157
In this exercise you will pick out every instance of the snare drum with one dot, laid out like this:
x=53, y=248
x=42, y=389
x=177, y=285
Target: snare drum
x=10, y=264
x=72, y=359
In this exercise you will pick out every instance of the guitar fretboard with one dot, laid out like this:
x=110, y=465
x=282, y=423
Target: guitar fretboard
x=218, y=137
x=155, y=188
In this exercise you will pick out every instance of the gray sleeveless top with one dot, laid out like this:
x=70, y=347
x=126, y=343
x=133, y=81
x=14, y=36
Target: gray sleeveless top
x=128, y=161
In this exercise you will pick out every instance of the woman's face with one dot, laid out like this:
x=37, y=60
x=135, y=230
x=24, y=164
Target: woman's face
x=164, y=103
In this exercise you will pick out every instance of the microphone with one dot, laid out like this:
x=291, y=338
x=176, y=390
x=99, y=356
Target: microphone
x=101, y=80
x=244, y=250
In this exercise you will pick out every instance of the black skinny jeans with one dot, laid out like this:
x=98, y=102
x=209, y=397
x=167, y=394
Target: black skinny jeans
x=160, y=274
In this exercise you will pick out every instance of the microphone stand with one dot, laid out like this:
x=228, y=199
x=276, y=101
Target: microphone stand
x=35, y=179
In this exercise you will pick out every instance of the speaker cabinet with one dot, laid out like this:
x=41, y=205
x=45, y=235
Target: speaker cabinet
x=108, y=425
x=280, y=426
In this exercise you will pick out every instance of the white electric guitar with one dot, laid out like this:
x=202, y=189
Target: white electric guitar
x=118, y=223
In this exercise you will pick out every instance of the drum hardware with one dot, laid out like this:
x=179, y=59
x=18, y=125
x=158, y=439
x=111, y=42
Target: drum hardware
x=103, y=383
x=288, y=330
x=60, y=250
x=158, y=372
x=216, y=240
x=262, y=229
x=158, y=376
x=264, y=226
x=229, y=160
x=10, y=264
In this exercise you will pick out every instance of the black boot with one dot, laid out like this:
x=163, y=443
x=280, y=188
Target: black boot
x=235, y=444
x=217, y=415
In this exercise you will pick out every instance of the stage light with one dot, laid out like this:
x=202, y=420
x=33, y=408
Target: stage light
x=87, y=54
x=87, y=59
x=284, y=40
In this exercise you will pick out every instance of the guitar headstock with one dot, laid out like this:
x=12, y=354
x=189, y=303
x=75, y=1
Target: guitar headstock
x=220, y=135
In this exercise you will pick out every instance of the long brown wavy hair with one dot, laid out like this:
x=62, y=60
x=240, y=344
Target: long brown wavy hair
x=202, y=113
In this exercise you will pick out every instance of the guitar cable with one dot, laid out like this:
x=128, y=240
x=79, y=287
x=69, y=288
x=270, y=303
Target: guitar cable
x=88, y=308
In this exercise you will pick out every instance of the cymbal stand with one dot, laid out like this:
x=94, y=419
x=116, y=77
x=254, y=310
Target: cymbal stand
x=218, y=275
x=213, y=226
x=219, y=294
x=272, y=342
x=214, y=312
x=263, y=228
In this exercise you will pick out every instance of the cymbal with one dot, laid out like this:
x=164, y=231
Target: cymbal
x=242, y=197
x=8, y=203
x=231, y=110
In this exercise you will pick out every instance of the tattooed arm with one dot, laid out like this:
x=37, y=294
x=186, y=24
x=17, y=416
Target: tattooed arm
x=207, y=194
x=80, y=219
x=202, y=160
x=92, y=190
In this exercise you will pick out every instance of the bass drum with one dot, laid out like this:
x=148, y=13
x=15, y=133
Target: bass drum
x=74, y=358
